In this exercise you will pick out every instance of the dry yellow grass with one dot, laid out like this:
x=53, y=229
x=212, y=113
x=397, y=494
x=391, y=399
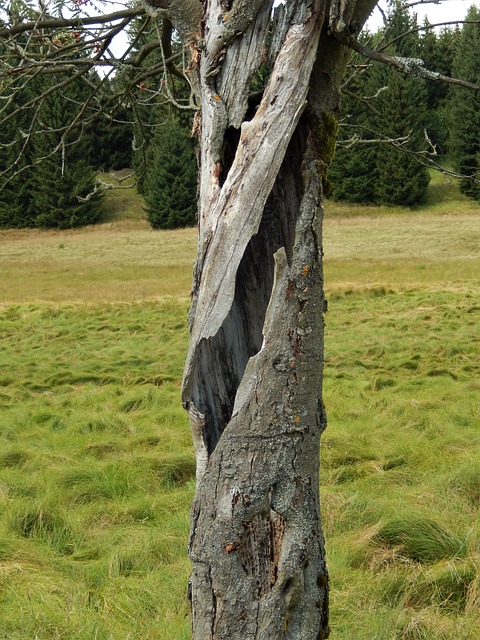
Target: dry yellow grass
x=120, y=261
x=127, y=261
x=403, y=251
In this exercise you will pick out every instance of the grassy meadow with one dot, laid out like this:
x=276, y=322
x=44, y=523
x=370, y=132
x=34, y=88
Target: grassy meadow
x=96, y=464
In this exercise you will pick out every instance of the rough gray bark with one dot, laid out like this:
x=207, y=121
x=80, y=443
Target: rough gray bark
x=253, y=376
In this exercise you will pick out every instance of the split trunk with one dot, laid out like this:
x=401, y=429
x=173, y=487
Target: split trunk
x=253, y=376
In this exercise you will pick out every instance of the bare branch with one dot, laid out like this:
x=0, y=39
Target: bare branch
x=77, y=22
x=410, y=66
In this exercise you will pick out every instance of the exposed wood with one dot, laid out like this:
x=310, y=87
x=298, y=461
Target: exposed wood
x=253, y=375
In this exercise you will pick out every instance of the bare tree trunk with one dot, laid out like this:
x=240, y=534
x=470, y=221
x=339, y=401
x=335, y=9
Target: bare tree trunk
x=253, y=377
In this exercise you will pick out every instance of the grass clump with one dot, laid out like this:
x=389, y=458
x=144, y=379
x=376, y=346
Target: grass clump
x=419, y=538
x=450, y=586
x=466, y=483
x=45, y=523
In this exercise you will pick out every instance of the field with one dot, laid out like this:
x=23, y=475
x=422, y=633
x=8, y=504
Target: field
x=96, y=464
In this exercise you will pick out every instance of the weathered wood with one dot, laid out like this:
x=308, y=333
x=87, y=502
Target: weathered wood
x=255, y=522
x=253, y=376
x=230, y=215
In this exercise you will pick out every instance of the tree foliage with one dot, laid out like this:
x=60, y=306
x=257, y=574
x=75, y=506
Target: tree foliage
x=171, y=185
x=385, y=114
x=55, y=184
x=464, y=107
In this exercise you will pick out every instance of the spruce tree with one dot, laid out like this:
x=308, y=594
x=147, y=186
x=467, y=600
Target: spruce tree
x=15, y=188
x=154, y=106
x=353, y=167
x=111, y=133
x=464, y=107
x=43, y=188
x=437, y=51
x=170, y=189
x=63, y=179
x=111, y=137
x=394, y=108
x=15, y=184
x=400, y=178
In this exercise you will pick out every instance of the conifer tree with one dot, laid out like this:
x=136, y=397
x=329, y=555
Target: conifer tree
x=464, y=107
x=111, y=133
x=154, y=106
x=400, y=179
x=15, y=188
x=354, y=164
x=437, y=51
x=48, y=192
x=394, y=108
x=170, y=189
x=63, y=180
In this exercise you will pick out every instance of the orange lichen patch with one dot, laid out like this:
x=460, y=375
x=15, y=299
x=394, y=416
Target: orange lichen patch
x=216, y=96
x=297, y=419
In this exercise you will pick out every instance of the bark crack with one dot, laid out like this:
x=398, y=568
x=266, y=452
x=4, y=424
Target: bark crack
x=214, y=603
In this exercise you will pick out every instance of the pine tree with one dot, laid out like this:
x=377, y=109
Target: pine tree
x=437, y=51
x=400, y=179
x=45, y=193
x=354, y=165
x=15, y=186
x=111, y=132
x=111, y=136
x=464, y=107
x=63, y=180
x=395, y=109
x=170, y=189
x=153, y=97
x=15, y=190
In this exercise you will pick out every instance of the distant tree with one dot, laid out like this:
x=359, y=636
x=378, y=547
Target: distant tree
x=48, y=187
x=170, y=189
x=400, y=178
x=112, y=140
x=437, y=52
x=354, y=164
x=393, y=109
x=15, y=194
x=62, y=183
x=160, y=99
x=464, y=107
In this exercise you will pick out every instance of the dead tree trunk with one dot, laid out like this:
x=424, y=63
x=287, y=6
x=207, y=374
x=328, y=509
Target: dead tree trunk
x=253, y=377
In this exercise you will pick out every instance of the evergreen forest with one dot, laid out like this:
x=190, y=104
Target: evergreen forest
x=393, y=127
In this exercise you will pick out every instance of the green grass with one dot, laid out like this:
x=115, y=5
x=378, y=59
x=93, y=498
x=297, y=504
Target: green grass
x=401, y=462
x=96, y=463
x=96, y=471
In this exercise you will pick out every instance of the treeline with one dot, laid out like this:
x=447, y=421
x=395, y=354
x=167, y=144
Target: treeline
x=51, y=149
x=390, y=124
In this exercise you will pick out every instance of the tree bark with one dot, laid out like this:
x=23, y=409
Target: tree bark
x=253, y=377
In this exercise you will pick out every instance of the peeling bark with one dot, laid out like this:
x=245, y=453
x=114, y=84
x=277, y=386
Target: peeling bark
x=253, y=377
